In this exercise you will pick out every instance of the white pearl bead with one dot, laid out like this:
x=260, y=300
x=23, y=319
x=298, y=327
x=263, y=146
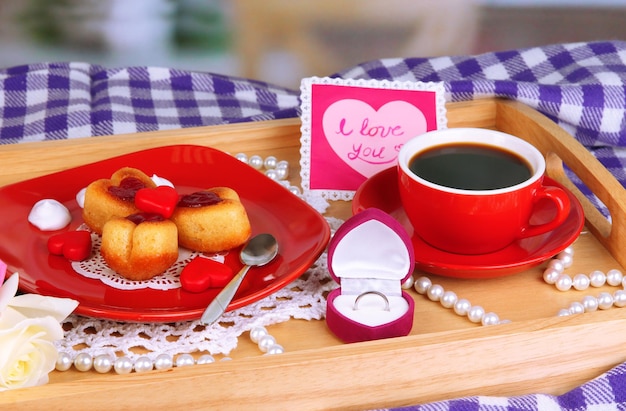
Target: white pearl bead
x=143, y=364
x=83, y=362
x=266, y=342
x=64, y=362
x=226, y=359
x=563, y=283
x=550, y=275
x=605, y=301
x=281, y=173
x=490, y=319
x=255, y=162
x=576, y=308
x=614, y=277
x=563, y=313
x=408, y=284
x=462, y=307
x=448, y=299
x=163, y=362
x=185, y=360
x=275, y=349
x=270, y=162
x=294, y=190
x=581, y=282
x=422, y=285
x=590, y=303
x=619, y=298
x=205, y=359
x=282, y=164
x=557, y=265
x=568, y=251
x=103, y=363
x=597, y=278
x=242, y=157
x=435, y=292
x=123, y=365
x=271, y=174
x=567, y=260
x=476, y=313
x=256, y=333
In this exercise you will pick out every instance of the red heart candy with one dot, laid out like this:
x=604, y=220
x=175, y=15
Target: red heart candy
x=203, y=273
x=161, y=200
x=73, y=245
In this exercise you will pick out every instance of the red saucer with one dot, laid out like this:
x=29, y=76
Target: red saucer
x=381, y=191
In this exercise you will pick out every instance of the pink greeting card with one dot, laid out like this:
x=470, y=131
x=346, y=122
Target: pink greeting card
x=352, y=129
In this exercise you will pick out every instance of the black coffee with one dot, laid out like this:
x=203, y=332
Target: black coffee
x=470, y=167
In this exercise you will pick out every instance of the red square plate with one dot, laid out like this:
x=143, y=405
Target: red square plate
x=302, y=234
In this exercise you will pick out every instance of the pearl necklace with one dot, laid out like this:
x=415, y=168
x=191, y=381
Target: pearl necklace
x=554, y=275
x=104, y=363
x=274, y=169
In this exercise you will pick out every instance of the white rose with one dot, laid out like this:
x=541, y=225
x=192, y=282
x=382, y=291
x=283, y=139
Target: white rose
x=29, y=325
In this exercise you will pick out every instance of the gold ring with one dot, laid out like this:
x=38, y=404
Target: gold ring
x=378, y=293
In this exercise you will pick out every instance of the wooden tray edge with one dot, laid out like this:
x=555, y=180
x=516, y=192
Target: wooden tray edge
x=409, y=370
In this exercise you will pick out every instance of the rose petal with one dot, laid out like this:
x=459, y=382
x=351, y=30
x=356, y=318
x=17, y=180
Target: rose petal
x=34, y=306
x=28, y=354
x=8, y=290
x=10, y=318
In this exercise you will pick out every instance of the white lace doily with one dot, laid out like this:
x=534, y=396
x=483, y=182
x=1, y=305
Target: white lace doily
x=96, y=268
x=302, y=299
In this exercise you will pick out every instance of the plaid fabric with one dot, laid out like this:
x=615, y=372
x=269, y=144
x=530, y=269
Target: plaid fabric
x=70, y=100
x=580, y=86
x=607, y=392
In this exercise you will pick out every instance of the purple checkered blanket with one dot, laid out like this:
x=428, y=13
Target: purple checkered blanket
x=606, y=392
x=52, y=101
x=580, y=86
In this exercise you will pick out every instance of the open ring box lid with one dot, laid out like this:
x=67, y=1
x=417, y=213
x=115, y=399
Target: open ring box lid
x=370, y=254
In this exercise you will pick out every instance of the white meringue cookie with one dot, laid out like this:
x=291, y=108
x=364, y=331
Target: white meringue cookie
x=80, y=197
x=160, y=181
x=49, y=215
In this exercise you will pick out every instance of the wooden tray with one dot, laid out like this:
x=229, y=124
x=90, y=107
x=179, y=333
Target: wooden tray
x=445, y=357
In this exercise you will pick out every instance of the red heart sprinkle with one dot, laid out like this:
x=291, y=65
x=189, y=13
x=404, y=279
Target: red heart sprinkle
x=73, y=245
x=160, y=200
x=203, y=273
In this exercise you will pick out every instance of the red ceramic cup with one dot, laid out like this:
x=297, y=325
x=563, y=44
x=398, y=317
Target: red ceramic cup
x=476, y=221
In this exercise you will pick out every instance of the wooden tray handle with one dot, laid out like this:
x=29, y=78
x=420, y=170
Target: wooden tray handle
x=559, y=147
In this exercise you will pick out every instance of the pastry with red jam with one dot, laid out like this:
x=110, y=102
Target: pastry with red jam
x=114, y=197
x=211, y=220
x=139, y=246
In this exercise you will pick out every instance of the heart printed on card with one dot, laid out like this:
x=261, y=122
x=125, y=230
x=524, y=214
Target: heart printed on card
x=368, y=140
x=354, y=128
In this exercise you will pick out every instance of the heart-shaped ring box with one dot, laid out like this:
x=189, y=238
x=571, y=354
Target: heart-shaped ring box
x=370, y=256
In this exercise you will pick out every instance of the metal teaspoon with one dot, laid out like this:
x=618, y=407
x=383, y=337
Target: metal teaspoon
x=260, y=250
